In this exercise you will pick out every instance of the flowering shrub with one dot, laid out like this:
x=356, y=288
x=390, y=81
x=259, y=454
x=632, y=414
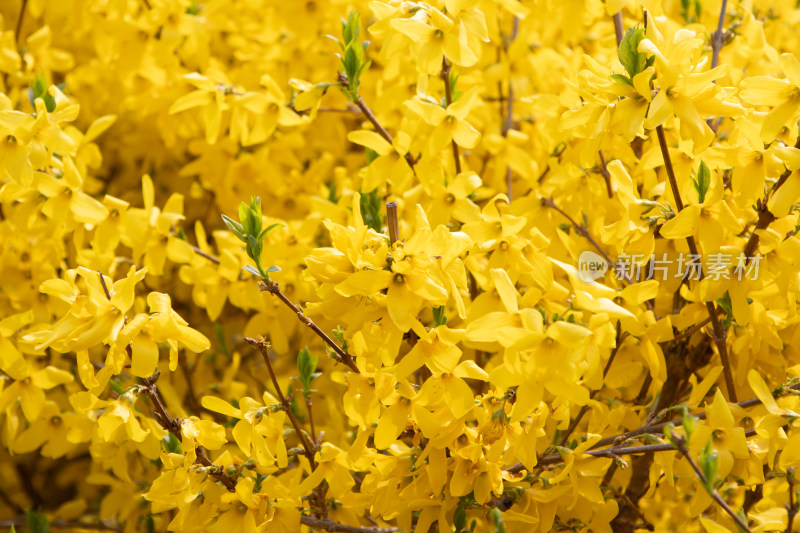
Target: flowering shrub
x=455, y=265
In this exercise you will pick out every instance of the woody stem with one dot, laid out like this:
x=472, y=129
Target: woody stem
x=343, y=357
x=719, y=331
x=263, y=347
x=448, y=95
x=680, y=445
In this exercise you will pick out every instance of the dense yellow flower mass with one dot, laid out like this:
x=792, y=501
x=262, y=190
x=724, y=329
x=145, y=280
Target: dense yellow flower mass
x=378, y=266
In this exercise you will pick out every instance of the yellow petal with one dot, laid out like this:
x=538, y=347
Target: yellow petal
x=508, y=294
x=365, y=283
x=763, y=393
x=391, y=424
x=188, y=101
x=218, y=405
x=144, y=357
x=682, y=225
x=371, y=140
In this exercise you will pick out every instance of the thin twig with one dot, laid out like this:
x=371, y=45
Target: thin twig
x=61, y=524
x=347, y=109
x=508, y=122
x=655, y=428
x=367, y=112
x=791, y=507
x=105, y=287
x=618, y=31
x=9, y=502
x=392, y=222
x=585, y=408
x=343, y=357
x=173, y=425
x=329, y=525
x=765, y=217
x=718, y=37
x=606, y=174
x=680, y=445
x=263, y=348
x=20, y=18
x=311, y=419
x=583, y=231
x=719, y=331
x=448, y=94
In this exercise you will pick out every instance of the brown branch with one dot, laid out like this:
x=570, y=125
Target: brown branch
x=195, y=405
x=791, y=507
x=718, y=37
x=263, y=347
x=583, y=231
x=765, y=217
x=585, y=408
x=341, y=356
x=173, y=425
x=20, y=18
x=9, y=502
x=680, y=445
x=367, y=112
x=311, y=419
x=327, y=524
x=26, y=481
x=654, y=428
x=448, y=94
x=719, y=331
x=59, y=524
x=606, y=174
x=392, y=222
x=618, y=30
x=509, y=115
x=347, y=109
x=201, y=253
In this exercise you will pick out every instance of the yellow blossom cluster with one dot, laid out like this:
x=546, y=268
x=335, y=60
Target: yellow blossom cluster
x=400, y=266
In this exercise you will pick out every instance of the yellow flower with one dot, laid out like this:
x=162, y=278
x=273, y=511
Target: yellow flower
x=436, y=34
x=449, y=123
x=783, y=95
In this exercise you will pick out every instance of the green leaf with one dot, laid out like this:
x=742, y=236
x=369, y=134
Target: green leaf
x=268, y=230
x=439, y=316
x=253, y=270
x=115, y=386
x=703, y=181
x=371, y=210
x=370, y=155
x=497, y=519
x=688, y=424
x=307, y=365
x=619, y=78
x=460, y=519
x=727, y=306
x=234, y=226
x=171, y=444
x=274, y=268
x=709, y=463
x=149, y=524
x=629, y=55
x=351, y=28
x=37, y=522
